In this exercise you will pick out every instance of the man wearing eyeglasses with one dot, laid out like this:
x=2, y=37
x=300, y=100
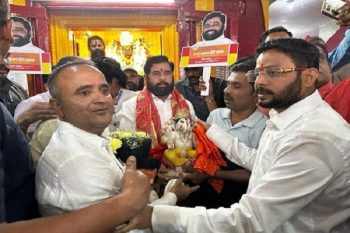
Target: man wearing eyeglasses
x=300, y=171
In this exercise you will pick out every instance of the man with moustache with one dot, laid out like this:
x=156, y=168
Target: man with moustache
x=22, y=34
x=134, y=81
x=96, y=46
x=240, y=119
x=190, y=89
x=300, y=171
x=77, y=168
x=81, y=99
x=155, y=104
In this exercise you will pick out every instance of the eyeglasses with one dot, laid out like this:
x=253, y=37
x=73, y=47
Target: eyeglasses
x=270, y=72
x=158, y=74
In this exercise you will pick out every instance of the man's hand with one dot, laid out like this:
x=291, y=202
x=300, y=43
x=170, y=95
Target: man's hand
x=203, y=87
x=344, y=21
x=181, y=190
x=196, y=177
x=142, y=220
x=135, y=185
x=38, y=111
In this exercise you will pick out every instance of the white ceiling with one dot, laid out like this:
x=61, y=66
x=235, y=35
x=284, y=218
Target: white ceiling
x=302, y=18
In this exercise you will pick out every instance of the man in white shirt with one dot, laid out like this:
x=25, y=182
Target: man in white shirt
x=78, y=168
x=301, y=169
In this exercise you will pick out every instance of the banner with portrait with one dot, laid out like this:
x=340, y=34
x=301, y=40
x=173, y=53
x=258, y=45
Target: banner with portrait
x=25, y=57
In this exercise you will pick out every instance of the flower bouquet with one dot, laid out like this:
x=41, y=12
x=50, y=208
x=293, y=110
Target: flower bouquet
x=126, y=143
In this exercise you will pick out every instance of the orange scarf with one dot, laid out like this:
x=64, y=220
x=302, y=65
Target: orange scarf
x=209, y=158
x=147, y=116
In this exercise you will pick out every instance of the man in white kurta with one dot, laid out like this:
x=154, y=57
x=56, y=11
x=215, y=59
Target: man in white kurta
x=127, y=115
x=78, y=169
x=160, y=93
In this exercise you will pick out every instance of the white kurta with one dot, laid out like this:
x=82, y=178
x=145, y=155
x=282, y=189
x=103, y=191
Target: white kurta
x=127, y=115
x=78, y=169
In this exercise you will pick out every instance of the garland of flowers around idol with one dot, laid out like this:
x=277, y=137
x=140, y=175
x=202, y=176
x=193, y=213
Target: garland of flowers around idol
x=132, y=140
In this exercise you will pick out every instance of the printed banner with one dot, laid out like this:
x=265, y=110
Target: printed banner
x=212, y=55
x=30, y=63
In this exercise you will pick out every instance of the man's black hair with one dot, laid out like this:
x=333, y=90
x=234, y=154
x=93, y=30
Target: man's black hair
x=244, y=65
x=318, y=42
x=302, y=53
x=111, y=70
x=272, y=30
x=214, y=14
x=156, y=60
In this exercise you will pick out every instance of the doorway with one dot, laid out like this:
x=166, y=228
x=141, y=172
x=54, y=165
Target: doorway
x=129, y=36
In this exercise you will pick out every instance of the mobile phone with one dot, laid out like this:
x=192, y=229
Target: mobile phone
x=330, y=7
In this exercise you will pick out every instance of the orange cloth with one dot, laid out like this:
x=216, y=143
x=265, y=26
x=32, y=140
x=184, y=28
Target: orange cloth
x=147, y=116
x=209, y=158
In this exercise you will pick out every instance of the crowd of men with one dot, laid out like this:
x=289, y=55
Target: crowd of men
x=281, y=124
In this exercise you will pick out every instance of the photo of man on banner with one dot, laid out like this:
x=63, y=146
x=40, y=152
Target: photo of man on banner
x=213, y=28
x=214, y=50
x=22, y=34
x=25, y=58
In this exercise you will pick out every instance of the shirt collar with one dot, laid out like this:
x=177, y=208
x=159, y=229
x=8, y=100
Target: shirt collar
x=250, y=121
x=253, y=119
x=93, y=139
x=284, y=119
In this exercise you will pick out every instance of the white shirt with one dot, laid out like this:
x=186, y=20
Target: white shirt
x=127, y=115
x=220, y=40
x=27, y=48
x=28, y=103
x=124, y=95
x=300, y=179
x=78, y=169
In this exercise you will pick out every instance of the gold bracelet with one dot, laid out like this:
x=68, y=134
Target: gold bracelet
x=209, y=100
